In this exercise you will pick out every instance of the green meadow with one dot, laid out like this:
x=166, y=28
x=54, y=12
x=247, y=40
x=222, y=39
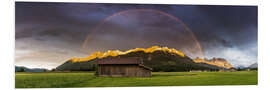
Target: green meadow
x=87, y=79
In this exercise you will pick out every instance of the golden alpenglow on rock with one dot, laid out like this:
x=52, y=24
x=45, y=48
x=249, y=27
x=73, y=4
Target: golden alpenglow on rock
x=215, y=61
x=118, y=52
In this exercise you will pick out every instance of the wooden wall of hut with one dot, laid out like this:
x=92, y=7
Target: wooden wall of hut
x=123, y=71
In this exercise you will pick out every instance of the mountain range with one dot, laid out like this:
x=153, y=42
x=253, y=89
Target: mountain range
x=159, y=58
x=25, y=69
x=253, y=66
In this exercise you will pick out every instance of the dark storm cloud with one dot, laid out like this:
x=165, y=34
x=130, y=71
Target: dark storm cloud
x=62, y=27
x=218, y=24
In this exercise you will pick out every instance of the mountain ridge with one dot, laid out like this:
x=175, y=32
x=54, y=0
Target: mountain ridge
x=221, y=62
x=26, y=69
x=158, y=58
x=118, y=52
x=254, y=65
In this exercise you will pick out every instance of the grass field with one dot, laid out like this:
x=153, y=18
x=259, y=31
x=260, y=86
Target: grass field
x=87, y=79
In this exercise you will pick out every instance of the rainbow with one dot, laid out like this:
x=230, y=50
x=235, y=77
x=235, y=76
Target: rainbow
x=99, y=25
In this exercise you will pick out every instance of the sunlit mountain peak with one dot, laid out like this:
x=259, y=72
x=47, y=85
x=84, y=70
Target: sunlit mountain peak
x=114, y=53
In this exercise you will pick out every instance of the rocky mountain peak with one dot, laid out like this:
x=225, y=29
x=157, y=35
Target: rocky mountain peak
x=221, y=62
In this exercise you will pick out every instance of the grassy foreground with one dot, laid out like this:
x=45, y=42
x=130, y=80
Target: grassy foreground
x=87, y=79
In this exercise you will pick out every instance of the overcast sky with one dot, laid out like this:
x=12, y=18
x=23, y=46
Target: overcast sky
x=48, y=34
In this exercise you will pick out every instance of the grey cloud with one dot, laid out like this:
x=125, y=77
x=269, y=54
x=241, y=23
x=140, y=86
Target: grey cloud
x=57, y=30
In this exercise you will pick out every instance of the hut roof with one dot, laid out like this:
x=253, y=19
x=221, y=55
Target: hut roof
x=129, y=60
x=145, y=67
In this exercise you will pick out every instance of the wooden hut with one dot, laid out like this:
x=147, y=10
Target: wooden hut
x=123, y=67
